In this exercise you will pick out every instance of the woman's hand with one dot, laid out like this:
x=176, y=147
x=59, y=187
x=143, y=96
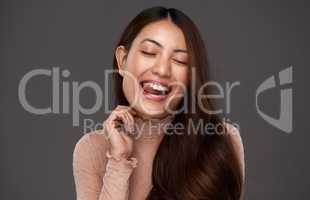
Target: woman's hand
x=117, y=126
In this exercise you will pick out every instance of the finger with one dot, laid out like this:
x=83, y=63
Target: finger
x=127, y=139
x=110, y=128
x=123, y=121
x=127, y=118
x=128, y=108
x=131, y=121
x=132, y=111
x=115, y=136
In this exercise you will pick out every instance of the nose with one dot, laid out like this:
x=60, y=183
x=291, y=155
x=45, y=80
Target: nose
x=162, y=68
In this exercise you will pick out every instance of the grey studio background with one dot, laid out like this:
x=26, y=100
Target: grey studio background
x=248, y=41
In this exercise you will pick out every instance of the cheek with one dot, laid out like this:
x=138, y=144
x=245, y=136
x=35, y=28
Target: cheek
x=181, y=78
x=137, y=64
x=181, y=75
x=130, y=87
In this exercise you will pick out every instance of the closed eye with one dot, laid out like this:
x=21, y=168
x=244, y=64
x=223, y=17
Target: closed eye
x=148, y=53
x=181, y=62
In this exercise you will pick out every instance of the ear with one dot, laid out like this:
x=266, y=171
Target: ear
x=121, y=54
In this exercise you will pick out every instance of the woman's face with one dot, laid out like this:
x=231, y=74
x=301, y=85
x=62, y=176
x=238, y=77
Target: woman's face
x=155, y=70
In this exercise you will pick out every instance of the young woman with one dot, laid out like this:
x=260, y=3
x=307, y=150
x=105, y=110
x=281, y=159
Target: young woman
x=152, y=145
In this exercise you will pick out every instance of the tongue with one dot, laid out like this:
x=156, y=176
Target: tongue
x=152, y=91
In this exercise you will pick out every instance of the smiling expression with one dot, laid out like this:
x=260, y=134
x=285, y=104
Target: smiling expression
x=155, y=70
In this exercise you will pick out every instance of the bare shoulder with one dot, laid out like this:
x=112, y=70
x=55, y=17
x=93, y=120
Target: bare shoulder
x=237, y=141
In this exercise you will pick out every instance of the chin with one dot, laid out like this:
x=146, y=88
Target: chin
x=153, y=113
x=149, y=111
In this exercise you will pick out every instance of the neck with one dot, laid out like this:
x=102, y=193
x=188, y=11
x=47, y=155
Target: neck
x=151, y=129
x=148, y=135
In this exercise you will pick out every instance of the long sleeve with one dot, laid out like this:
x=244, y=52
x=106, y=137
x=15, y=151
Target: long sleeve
x=98, y=176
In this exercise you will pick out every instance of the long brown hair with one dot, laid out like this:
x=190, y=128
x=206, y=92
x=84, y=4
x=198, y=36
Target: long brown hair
x=189, y=166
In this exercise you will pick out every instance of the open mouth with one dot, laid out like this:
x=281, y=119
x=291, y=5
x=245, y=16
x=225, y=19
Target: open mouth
x=155, y=90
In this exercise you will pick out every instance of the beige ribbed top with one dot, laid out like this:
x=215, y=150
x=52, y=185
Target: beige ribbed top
x=98, y=176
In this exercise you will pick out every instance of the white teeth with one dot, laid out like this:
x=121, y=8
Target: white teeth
x=156, y=86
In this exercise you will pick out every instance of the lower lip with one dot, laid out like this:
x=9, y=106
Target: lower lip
x=157, y=98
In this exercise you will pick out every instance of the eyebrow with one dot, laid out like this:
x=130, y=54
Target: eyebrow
x=161, y=46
